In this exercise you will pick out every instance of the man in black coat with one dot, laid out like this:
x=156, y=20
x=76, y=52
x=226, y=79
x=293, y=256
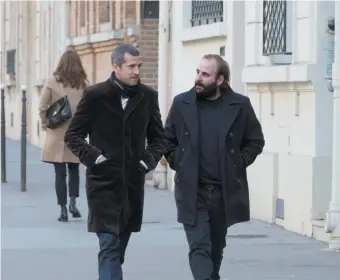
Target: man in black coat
x=213, y=135
x=118, y=115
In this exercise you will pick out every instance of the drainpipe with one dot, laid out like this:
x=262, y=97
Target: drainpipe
x=332, y=224
x=2, y=38
x=160, y=173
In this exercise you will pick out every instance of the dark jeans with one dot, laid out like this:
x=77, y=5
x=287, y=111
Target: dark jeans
x=206, y=238
x=111, y=255
x=60, y=181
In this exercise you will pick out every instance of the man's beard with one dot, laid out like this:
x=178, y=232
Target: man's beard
x=208, y=91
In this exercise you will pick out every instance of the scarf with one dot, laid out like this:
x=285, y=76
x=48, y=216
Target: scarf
x=126, y=91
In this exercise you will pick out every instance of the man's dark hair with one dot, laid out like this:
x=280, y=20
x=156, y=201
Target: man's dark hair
x=222, y=68
x=117, y=56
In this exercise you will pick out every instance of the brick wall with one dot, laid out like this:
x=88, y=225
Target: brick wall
x=148, y=46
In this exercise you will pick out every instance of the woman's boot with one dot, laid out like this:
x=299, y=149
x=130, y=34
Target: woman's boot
x=63, y=215
x=73, y=208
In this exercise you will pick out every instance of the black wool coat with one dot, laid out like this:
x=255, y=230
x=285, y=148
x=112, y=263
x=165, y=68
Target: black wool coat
x=115, y=188
x=240, y=142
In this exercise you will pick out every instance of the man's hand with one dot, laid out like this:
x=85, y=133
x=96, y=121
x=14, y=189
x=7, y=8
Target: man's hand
x=143, y=166
x=100, y=159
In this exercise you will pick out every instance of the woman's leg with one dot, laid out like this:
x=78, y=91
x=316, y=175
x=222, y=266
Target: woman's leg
x=73, y=188
x=61, y=189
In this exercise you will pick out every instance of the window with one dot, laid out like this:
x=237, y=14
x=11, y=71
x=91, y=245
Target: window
x=82, y=13
x=10, y=62
x=277, y=28
x=206, y=12
x=149, y=9
x=104, y=11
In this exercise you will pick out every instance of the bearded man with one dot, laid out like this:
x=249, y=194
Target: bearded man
x=212, y=136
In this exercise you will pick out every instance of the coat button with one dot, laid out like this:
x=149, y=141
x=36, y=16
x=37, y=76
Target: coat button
x=186, y=133
x=183, y=149
x=231, y=134
x=232, y=151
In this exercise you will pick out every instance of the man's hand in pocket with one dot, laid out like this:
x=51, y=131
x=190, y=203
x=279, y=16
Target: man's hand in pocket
x=143, y=166
x=100, y=159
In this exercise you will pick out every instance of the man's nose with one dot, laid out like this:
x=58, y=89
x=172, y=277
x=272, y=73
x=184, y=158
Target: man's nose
x=136, y=71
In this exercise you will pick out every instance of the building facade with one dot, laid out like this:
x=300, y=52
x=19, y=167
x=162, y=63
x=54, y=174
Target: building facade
x=289, y=57
x=32, y=38
x=96, y=27
x=281, y=55
x=35, y=33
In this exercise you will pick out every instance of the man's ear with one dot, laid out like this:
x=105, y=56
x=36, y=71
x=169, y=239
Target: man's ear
x=220, y=80
x=115, y=67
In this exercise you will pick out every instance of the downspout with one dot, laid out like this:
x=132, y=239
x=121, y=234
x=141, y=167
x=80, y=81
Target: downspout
x=160, y=173
x=66, y=20
x=332, y=223
x=2, y=42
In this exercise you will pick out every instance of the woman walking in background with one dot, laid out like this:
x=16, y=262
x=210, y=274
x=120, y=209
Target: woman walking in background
x=70, y=80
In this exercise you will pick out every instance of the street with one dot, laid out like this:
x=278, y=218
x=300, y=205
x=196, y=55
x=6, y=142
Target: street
x=36, y=246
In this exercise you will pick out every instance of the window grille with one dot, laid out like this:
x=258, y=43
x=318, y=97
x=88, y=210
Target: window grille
x=206, y=12
x=149, y=9
x=275, y=27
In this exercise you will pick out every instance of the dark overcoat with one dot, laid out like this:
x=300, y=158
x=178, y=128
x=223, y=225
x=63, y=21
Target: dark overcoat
x=240, y=142
x=115, y=188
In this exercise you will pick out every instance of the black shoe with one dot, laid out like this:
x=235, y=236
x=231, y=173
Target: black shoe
x=63, y=215
x=73, y=208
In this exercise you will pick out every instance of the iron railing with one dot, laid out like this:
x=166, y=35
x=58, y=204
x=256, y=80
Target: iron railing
x=275, y=27
x=206, y=12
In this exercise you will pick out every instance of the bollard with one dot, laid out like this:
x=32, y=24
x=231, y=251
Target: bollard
x=3, y=136
x=23, y=140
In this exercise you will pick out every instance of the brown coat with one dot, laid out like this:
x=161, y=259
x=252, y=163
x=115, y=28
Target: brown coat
x=115, y=187
x=54, y=149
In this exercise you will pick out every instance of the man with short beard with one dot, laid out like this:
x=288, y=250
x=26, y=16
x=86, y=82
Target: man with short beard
x=212, y=135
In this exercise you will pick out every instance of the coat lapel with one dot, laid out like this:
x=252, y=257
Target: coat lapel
x=132, y=104
x=230, y=110
x=190, y=115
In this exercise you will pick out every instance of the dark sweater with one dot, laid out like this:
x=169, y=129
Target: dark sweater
x=210, y=121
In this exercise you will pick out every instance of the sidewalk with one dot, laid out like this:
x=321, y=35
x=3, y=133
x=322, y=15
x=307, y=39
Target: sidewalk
x=36, y=246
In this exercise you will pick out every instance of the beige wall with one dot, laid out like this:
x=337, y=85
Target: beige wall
x=35, y=29
x=40, y=30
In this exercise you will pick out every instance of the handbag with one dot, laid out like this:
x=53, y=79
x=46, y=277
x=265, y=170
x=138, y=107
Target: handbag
x=58, y=113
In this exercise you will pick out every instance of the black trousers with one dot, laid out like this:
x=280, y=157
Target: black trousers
x=60, y=181
x=207, y=237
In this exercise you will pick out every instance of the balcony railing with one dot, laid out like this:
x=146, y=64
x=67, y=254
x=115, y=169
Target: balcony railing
x=206, y=12
x=275, y=27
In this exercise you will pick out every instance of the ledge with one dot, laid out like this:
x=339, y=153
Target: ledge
x=279, y=73
x=208, y=31
x=95, y=38
x=10, y=81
